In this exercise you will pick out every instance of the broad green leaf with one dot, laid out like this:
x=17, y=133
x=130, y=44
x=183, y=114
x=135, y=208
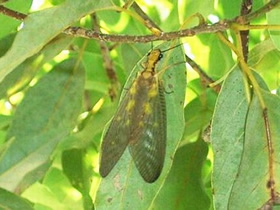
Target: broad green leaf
x=11, y=201
x=35, y=34
x=94, y=126
x=250, y=188
x=33, y=176
x=198, y=112
x=77, y=166
x=220, y=57
x=124, y=187
x=188, y=8
x=54, y=192
x=27, y=70
x=273, y=18
x=259, y=52
x=47, y=114
x=5, y=43
x=182, y=188
x=227, y=136
x=4, y=121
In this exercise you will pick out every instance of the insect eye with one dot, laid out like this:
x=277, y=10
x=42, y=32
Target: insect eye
x=160, y=55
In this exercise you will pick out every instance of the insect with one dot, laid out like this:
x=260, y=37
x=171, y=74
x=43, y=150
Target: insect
x=139, y=124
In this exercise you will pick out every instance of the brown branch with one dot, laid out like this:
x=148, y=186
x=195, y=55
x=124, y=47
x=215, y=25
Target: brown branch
x=148, y=22
x=11, y=13
x=205, y=79
x=246, y=8
x=203, y=28
x=89, y=34
x=270, y=183
x=107, y=62
x=263, y=10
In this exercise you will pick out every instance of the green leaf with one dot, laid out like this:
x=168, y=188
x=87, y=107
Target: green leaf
x=33, y=176
x=35, y=34
x=227, y=136
x=11, y=201
x=182, y=188
x=94, y=126
x=259, y=52
x=273, y=18
x=198, y=113
x=250, y=187
x=189, y=8
x=47, y=113
x=23, y=74
x=54, y=192
x=124, y=187
x=4, y=121
x=220, y=57
x=78, y=168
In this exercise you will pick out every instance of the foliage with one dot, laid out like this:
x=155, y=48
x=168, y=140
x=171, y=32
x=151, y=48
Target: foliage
x=58, y=92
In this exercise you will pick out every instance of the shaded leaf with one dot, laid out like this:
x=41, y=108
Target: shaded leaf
x=273, y=18
x=11, y=201
x=26, y=71
x=182, y=188
x=227, y=136
x=250, y=188
x=47, y=113
x=77, y=167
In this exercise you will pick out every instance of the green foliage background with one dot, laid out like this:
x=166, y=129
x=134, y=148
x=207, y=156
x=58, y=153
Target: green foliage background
x=55, y=104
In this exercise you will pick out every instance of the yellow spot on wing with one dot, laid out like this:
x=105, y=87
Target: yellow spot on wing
x=130, y=105
x=141, y=124
x=132, y=90
x=147, y=108
x=153, y=92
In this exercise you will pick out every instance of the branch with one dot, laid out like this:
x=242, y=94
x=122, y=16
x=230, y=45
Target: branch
x=89, y=34
x=11, y=13
x=205, y=79
x=201, y=29
x=246, y=8
x=107, y=62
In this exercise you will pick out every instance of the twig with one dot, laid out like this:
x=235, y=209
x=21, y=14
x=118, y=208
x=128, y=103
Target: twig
x=11, y=13
x=270, y=183
x=205, y=79
x=246, y=8
x=263, y=10
x=108, y=64
x=89, y=34
x=220, y=26
x=148, y=22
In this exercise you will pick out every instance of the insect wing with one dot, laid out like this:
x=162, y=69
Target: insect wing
x=116, y=138
x=148, y=151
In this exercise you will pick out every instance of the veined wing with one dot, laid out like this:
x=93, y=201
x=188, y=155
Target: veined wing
x=116, y=137
x=148, y=149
